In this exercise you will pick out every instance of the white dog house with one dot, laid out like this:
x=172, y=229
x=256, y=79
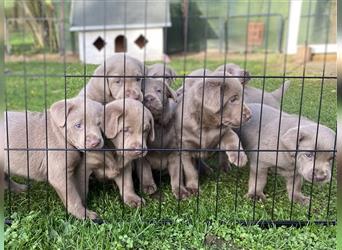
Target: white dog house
x=108, y=27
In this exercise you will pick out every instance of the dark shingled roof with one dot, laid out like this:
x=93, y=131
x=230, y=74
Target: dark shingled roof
x=110, y=14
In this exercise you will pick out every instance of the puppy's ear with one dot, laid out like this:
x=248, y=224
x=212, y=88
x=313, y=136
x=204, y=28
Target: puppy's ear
x=60, y=111
x=170, y=93
x=289, y=139
x=113, y=112
x=214, y=82
x=100, y=80
x=151, y=135
x=172, y=76
x=212, y=90
x=99, y=73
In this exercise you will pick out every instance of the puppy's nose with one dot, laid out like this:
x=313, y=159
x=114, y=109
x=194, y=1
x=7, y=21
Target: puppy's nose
x=93, y=141
x=149, y=98
x=132, y=94
x=136, y=145
x=135, y=97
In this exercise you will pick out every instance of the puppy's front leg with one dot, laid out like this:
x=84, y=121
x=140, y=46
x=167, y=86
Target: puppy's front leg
x=257, y=182
x=230, y=141
x=125, y=184
x=223, y=162
x=82, y=173
x=191, y=174
x=296, y=188
x=67, y=190
x=176, y=174
x=145, y=176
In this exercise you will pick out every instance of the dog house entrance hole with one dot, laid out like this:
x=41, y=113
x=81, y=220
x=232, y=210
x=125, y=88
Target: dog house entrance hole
x=120, y=44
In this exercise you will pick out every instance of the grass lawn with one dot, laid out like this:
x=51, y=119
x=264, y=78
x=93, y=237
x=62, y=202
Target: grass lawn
x=40, y=220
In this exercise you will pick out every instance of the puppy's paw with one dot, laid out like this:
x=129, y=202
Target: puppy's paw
x=225, y=166
x=192, y=188
x=98, y=221
x=181, y=193
x=111, y=174
x=259, y=196
x=133, y=200
x=93, y=216
x=301, y=199
x=238, y=158
x=150, y=188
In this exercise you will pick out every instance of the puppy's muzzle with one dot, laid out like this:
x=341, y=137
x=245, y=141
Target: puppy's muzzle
x=321, y=176
x=137, y=150
x=149, y=99
x=93, y=141
x=153, y=104
x=133, y=94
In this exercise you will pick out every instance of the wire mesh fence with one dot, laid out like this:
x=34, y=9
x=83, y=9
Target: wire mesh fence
x=170, y=138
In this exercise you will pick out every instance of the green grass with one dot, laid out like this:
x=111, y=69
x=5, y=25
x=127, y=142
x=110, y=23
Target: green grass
x=40, y=220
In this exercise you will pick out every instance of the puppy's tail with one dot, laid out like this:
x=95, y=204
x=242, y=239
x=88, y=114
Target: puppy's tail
x=279, y=92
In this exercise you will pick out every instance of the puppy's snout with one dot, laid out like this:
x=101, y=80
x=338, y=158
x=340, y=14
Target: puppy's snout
x=136, y=145
x=130, y=93
x=321, y=175
x=149, y=98
x=137, y=148
x=93, y=141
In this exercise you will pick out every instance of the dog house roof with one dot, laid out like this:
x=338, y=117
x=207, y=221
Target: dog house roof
x=90, y=15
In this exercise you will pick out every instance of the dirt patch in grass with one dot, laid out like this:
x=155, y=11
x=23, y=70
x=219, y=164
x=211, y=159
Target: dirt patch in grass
x=214, y=242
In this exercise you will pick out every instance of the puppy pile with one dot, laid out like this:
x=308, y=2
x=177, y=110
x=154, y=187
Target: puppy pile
x=119, y=123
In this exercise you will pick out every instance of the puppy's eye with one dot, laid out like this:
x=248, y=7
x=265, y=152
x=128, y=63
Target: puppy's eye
x=125, y=129
x=159, y=90
x=233, y=99
x=309, y=155
x=78, y=125
x=118, y=81
x=138, y=79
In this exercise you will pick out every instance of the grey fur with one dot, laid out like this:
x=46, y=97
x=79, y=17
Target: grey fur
x=165, y=71
x=286, y=160
x=58, y=166
x=108, y=82
x=136, y=137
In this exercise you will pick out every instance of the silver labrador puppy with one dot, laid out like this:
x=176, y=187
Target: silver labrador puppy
x=128, y=132
x=160, y=100
x=309, y=165
x=55, y=166
x=109, y=81
x=203, y=129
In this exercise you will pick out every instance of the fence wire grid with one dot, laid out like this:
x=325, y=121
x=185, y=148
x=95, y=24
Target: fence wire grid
x=216, y=193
